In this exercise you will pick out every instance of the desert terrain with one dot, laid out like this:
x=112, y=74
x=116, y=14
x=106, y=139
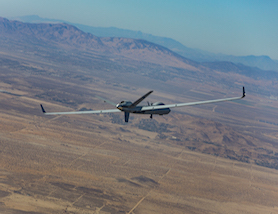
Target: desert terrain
x=202, y=159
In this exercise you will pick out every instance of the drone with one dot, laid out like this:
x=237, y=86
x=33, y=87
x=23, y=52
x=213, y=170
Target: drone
x=128, y=107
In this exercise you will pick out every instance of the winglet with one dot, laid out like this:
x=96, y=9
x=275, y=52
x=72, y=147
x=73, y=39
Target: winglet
x=243, y=92
x=43, y=111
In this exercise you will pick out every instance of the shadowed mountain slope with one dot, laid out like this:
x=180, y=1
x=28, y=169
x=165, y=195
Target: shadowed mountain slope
x=160, y=62
x=69, y=36
x=262, y=62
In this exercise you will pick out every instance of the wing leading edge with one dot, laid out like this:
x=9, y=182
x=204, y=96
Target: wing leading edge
x=145, y=108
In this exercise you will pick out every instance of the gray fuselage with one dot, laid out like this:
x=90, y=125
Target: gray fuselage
x=125, y=106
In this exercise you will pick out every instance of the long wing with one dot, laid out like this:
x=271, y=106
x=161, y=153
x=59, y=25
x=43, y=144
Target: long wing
x=192, y=103
x=140, y=100
x=80, y=112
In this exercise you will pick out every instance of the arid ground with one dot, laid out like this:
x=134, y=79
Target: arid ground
x=216, y=158
x=98, y=164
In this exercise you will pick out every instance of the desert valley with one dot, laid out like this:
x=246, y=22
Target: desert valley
x=215, y=158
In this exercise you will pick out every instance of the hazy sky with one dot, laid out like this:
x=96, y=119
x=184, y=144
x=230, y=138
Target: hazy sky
x=237, y=27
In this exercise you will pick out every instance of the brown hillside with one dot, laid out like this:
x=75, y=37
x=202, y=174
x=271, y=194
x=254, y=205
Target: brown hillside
x=216, y=158
x=71, y=37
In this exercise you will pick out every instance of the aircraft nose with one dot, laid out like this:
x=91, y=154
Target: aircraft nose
x=118, y=106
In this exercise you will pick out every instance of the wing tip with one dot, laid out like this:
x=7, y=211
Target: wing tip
x=43, y=111
x=243, y=92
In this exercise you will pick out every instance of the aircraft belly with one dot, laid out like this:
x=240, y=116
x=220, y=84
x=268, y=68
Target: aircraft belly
x=154, y=111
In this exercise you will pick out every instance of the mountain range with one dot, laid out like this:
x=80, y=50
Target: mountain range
x=69, y=36
x=29, y=37
x=64, y=42
x=262, y=62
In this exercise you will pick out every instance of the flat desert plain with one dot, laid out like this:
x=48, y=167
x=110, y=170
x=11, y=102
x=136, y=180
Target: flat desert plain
x=177, y=163
x=86, y=164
